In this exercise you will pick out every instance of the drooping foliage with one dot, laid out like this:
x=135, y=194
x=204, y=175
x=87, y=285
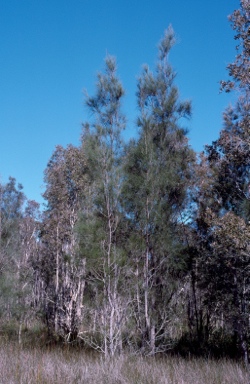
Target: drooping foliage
x=223, y=204
x=140, y=247
x=157, y=179
x=101, y=216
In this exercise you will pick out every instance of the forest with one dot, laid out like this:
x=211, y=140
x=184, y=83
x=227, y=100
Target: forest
x=143, y=246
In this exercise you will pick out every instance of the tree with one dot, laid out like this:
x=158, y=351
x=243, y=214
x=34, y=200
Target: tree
x=101, y=214
x=158, y=172
x=62, y=270
x=223, y=202
x=231, y=152
x=239, y=69
x=18, y=253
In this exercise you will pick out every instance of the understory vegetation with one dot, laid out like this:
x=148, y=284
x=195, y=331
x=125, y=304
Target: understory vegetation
x=142, y=252
x=57, y=364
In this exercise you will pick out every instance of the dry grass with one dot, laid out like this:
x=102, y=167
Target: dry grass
x=64, y=366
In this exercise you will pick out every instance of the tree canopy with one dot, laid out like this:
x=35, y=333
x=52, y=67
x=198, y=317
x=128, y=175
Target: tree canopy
x=143, y=246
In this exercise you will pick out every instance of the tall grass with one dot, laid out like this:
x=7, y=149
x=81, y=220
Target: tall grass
x=58, y=365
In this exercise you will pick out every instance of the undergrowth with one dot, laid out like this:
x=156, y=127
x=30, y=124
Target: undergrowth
x=39, y=360
x=58, y=365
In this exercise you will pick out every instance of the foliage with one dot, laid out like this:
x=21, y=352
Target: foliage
x=157, y=178
x=141, y=247
x=221, y=236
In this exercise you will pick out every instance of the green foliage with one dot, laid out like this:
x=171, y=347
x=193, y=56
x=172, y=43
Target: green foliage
x=222, y=233
x=16, y=256
x=140, y=248
x=155, y=193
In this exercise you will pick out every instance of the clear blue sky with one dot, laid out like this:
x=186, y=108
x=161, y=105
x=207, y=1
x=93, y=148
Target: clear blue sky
x=50, y=50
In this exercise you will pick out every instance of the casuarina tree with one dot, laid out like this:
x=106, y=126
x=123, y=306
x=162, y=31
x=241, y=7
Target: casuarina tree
x=157, y=180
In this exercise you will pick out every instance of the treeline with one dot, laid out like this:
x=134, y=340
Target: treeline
x=145, y=246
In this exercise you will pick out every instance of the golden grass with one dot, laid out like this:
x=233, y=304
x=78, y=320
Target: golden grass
x=64, y=366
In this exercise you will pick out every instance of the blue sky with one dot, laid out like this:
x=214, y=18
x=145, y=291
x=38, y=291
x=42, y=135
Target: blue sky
x=50, y=50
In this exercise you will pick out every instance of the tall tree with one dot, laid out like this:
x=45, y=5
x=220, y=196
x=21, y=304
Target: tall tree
x=231, y=152
x=61, y=269
x=158, y=171
x=225, y=199
x=101, y=215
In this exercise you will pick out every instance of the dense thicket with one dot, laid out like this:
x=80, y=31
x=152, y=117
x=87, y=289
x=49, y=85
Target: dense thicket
x=143, y=246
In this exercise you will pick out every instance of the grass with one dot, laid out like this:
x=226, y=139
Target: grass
x=58, y=365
